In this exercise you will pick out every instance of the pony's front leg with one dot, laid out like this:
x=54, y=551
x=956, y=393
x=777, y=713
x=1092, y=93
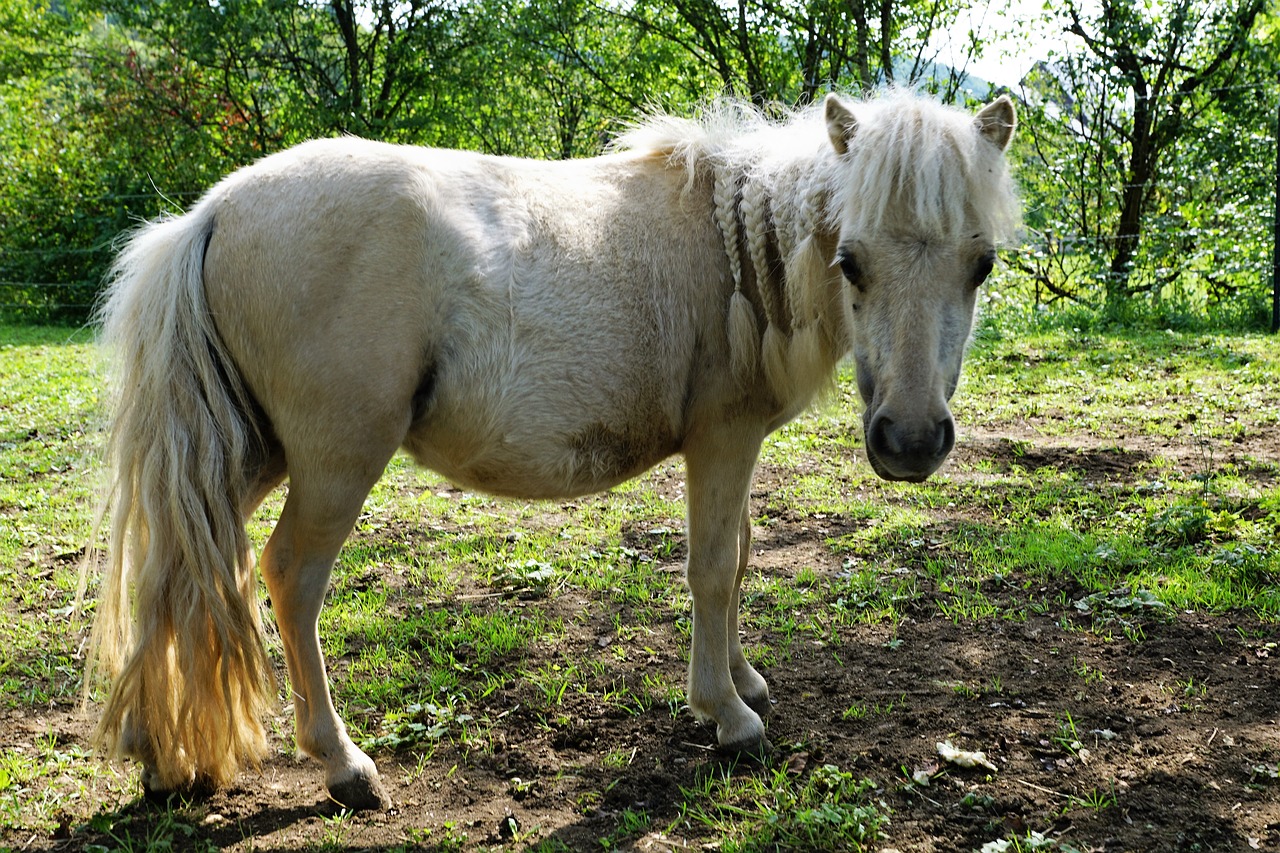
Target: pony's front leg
x=720, y=464
x=296, y=565
x=750, y=684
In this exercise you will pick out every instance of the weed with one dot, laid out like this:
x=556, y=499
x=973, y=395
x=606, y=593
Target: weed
x=830, y=810
x=1264, y=773
x=447, y=839
x=169, y=832
x=1095, y=800
x=1123, y=607
x=336, y=827
x=1193, y=689
x=857, y=711
x=1066, y=736
x=552, y=681
x=528, y=576
x=975, y=802
x=417, y=725
x=964, y=691
x=1088, y=674
x=619, y=758
x=630, y=824
x=862, y=710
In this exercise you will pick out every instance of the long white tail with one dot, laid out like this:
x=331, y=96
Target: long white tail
x=177, y=627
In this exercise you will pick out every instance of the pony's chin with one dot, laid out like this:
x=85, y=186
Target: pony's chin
x=884, y=473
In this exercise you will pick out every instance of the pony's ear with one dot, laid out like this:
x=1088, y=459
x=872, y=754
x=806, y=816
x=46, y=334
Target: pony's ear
x=841, y=124
x=996, y=122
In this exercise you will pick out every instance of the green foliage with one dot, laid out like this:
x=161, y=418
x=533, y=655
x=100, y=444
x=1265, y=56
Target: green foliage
x=1149, y=158
x=46, y=169
x=828, y=809
x=1148, y=187
x=113, y=111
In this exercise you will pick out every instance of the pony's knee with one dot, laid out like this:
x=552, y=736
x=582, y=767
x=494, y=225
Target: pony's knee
x=713, y=587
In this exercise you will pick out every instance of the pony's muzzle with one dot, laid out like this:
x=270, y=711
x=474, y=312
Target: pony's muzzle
x=908, y=450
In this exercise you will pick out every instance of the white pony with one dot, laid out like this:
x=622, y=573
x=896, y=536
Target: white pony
x=524, y=328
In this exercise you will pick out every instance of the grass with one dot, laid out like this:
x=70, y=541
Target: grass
x=828, y=809
x=1152, y=512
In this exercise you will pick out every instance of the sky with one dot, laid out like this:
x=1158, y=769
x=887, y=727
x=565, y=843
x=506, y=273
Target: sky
x=1015, y=36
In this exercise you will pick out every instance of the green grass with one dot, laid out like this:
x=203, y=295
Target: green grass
x=48, y=415
x=420, y=650
x=777, y=809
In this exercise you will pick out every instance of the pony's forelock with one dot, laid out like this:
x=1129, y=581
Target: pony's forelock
x=917, y=166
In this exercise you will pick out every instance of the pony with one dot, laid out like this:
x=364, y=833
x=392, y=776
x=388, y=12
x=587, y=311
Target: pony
x=528, y=329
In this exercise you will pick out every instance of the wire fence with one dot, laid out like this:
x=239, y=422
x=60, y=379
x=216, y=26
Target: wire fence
x=62, y=283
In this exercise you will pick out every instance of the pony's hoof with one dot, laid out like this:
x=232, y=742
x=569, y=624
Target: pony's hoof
x=750, y=741
x=755, y=750
x=752, y=688
x=361, y=793
x=759, y=703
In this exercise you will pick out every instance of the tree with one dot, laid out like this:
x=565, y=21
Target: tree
x=789, y=51
x=57, y=228
x=553, y=78
x=112, y=110
x=291, y=69
x=1173, y=61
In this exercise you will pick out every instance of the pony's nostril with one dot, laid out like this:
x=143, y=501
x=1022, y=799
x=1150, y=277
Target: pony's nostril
x=946, y=436
x=880, y=438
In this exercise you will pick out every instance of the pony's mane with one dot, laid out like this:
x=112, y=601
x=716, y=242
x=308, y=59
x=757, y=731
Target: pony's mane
x=778, y=187
x=913, y=162
x=726, y=128
x=770, y=183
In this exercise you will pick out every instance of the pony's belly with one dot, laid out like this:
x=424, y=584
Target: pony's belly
x=562, y=463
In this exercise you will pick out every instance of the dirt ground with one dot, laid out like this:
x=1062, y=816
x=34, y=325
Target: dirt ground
x=1153, y=765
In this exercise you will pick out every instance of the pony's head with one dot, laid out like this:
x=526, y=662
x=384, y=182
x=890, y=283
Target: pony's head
x=923, y=198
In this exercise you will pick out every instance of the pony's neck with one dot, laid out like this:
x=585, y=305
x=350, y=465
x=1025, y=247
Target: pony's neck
x=788, y=319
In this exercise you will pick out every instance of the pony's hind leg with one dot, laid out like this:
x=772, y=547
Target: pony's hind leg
x=720, y=464
x=750, y=685
x=321, y=509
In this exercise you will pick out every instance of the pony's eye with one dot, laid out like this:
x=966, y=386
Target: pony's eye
x=849, y=267
x=985, y=264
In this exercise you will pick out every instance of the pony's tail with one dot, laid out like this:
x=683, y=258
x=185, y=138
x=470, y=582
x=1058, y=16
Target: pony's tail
x=177, y=627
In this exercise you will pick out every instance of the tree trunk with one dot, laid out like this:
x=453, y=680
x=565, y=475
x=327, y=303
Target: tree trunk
x=1133, y=203
x=886, y=40
x=344, y=15
x=862, y=43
